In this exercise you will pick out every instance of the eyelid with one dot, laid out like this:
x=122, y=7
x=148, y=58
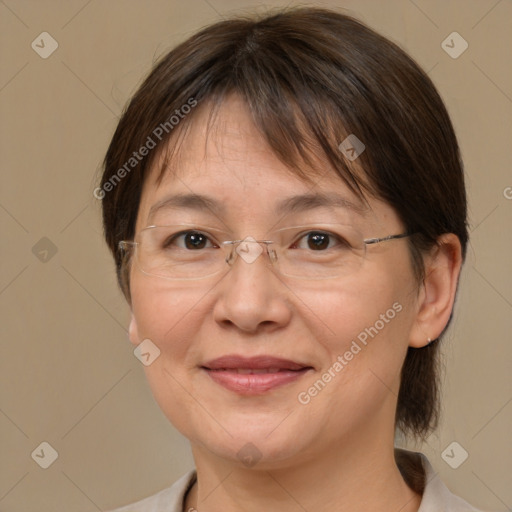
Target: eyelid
x=320, y=226
x=185, y=228
x=323, y=228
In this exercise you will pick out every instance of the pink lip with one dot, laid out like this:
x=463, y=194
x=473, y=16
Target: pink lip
x=224, y=371
x=256, y=362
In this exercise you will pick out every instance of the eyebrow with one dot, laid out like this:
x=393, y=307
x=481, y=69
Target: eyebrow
x=311, y=201
x=294, y=204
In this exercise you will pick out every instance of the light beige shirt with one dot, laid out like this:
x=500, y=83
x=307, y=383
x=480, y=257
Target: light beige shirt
x=436, y=496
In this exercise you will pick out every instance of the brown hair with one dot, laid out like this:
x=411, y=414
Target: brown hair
x=310, y=77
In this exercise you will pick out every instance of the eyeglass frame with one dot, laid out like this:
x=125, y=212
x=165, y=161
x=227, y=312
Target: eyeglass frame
x=230, y=258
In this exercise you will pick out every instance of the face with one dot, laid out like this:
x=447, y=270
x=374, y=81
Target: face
x=349, y=334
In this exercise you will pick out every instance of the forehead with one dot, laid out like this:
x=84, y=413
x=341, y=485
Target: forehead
x=228, y=169
x=224, y=137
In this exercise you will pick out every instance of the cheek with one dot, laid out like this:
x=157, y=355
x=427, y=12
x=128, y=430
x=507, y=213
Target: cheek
x=171, y=319
x=365, y=322
x=364, y=341
x=170, y=315
x=342, y=310
x=167, y=316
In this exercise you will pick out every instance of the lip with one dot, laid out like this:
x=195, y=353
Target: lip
x=234, y=361
x=254, y=375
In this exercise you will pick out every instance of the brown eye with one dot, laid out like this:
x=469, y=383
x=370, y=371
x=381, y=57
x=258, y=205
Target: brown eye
x=190, y=240
x=319, y=241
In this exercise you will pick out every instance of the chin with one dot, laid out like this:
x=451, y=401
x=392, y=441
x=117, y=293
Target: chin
x=251, y=445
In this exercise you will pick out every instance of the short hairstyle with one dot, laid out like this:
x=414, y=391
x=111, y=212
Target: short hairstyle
x=310, y=77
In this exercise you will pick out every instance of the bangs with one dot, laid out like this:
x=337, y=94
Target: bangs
x=308, y=149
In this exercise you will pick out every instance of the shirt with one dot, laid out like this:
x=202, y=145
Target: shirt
x=436, y=496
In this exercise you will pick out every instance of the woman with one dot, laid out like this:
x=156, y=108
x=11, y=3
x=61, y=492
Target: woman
x=290, y=243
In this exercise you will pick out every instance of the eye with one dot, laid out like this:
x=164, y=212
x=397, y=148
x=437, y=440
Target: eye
x=188, y=240
x=320, y=240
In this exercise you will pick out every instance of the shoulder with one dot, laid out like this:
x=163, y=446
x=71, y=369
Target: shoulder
x=167, y=500
x=436, y=497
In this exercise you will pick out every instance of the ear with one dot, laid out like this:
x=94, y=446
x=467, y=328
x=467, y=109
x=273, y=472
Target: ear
x=133, y=331
x=437, y=294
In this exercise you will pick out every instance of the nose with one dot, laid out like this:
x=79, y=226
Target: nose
x=252, y=296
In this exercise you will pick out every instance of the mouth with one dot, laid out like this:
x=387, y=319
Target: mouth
x=252, y=371
x=254, y=375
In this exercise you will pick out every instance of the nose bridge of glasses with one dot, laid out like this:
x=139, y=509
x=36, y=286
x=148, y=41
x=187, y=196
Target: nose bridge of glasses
x=249, y=250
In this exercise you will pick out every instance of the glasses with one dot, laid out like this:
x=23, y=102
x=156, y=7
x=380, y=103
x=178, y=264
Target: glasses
x=187, y=252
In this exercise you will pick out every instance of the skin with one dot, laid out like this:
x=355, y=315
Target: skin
x=336, y=452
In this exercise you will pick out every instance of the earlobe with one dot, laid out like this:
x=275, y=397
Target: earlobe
x=442, y=270
x=133, y=331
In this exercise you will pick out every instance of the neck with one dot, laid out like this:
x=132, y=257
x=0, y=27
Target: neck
x=344, y=479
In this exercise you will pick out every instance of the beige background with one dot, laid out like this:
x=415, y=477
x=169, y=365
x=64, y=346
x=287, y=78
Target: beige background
x=69, y=376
